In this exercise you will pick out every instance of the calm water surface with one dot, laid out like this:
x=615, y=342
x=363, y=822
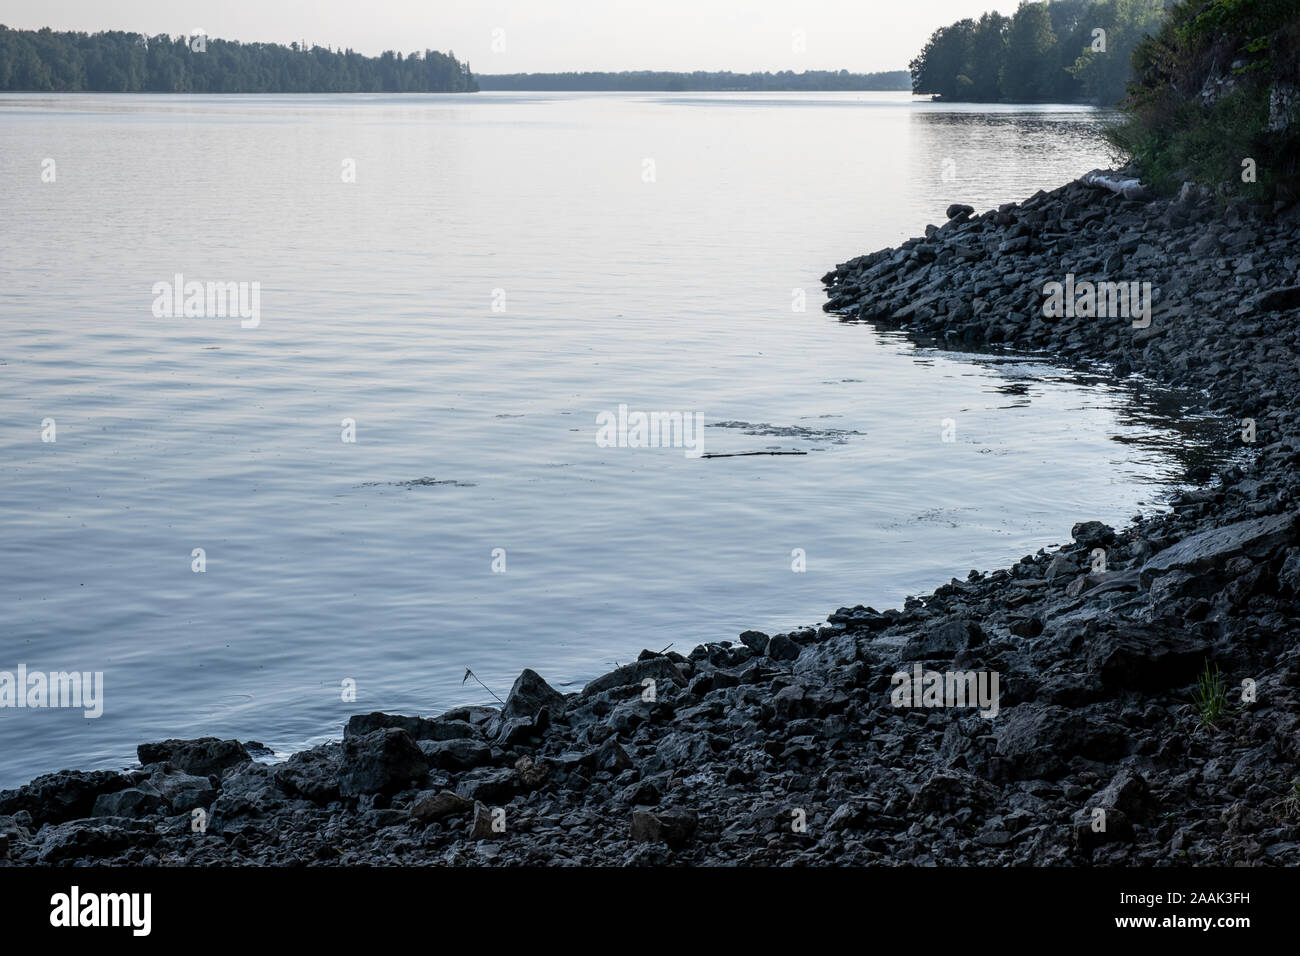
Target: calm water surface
x=638, y=249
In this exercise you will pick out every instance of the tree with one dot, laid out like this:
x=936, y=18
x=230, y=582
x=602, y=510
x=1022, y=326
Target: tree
x=988, y=53
x=114, y=61
x=1030, y=73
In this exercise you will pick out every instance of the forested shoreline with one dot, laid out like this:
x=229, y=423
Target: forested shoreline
x=116, y=61
x=723, y=80
x=1063, y=52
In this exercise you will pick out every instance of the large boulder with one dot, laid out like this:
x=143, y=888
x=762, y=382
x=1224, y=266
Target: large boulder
x=1135, y=658
x=383, y=761
x=1036, y=741
x=1092, y=534
x=432, y=806
x=529, y=695
x=672, y=826
x=62, y=796
x=944, y=640
x=312, y=774
x=247, y=795
x=462, y=754
x=132, y=803
x=1257, y=538
x=659, y=669
x=182, y=791
x=420, y=728
x=203, y=756
x=78, y=840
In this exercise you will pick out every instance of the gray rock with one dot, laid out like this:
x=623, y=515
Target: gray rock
x=1256, y=538
x=489, y=786
x=1092, y=534
x=659, y=669
x=80, y=840
x=419, y=728
x=66, y=795
x=132, y=803
x=529, y=695
x=944, y=639
x=1037, y=740
x=431, y=806
x=611, y=757
x=673, y=827
x=462, y=754
x=1118, y=828
x=312, y=774
x=780, y=648
x=247, y=793
x=480, y=825
x=383, y=761
x=202, y=756
x=183, y=791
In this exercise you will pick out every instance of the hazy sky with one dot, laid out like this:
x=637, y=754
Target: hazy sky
x=549, y=35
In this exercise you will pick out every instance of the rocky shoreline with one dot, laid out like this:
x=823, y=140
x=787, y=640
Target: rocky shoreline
x=1085, y=739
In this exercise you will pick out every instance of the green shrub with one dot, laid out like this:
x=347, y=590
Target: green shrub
x=1199, y=103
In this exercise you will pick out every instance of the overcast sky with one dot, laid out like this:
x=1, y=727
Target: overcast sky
x=550, y=35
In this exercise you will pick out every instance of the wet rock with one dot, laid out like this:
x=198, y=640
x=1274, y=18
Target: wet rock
x=133, y=803
x=204, y=756
x=312, y=774
x=383, y=761
x=656, y=669
x=1092, y=534
x=85, y=840
x=419, y=728
x=529, y=696
x=781, y=648
x=182, y=791
x=861, y=618
x=66, y=795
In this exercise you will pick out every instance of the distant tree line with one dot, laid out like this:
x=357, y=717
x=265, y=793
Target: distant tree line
x=1063, y=52
x=119, y=62
x=660, y=81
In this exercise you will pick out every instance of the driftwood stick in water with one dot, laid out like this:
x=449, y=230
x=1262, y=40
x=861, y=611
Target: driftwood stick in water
x=742, y=454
